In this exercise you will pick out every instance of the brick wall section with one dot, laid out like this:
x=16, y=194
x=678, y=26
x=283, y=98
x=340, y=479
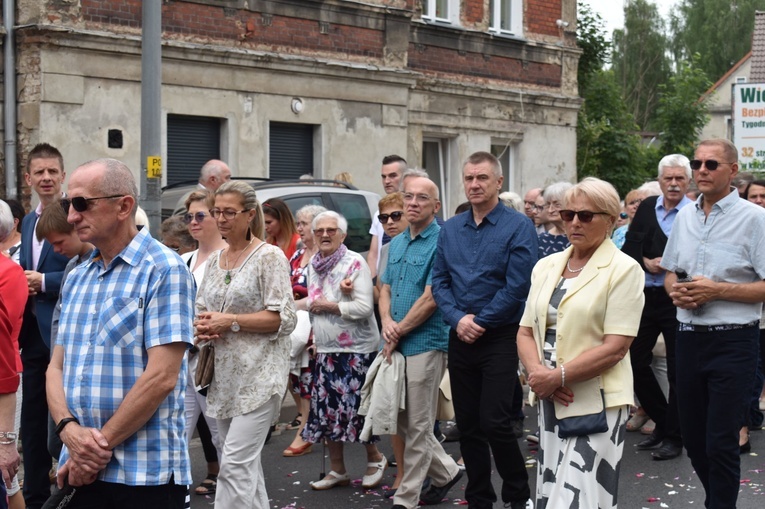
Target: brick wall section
x=244, y=28
x=472, y=11
x=540, y=16
x=448, y=62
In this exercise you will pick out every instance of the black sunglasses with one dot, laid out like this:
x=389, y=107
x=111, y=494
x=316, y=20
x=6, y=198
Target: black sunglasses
x=585, y=216
x=395, y=215
x=711, y=164
x=199, y=217
x=80, y=204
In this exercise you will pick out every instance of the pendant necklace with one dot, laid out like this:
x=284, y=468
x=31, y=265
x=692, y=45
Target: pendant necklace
x=568, y=266
x=227, y=279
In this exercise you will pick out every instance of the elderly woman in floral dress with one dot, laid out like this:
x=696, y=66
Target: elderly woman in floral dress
x=347, y=341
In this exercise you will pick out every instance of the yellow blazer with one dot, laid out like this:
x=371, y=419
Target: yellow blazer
x=606, y=298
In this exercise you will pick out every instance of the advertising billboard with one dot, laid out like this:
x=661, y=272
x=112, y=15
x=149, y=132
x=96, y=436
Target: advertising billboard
x=748, y=121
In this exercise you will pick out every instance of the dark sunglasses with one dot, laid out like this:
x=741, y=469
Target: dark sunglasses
x=198, y=217
x=711, y=164
x=80, y=204
x=585, y=216
x=395, y=215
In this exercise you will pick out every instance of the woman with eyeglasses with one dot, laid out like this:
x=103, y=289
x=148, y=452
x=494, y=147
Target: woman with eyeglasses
x=245, y=308
x=202, y=228
x=300, y=370
x=582, y=313
x=347, y=341
x=554, y=240
x=631, y=203
x=280, y=226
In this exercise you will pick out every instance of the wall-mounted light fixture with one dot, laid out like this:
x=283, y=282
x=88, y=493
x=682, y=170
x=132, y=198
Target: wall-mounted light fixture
x=297, y=105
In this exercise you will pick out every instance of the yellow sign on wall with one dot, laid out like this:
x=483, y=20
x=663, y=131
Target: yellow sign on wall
x=154, y=167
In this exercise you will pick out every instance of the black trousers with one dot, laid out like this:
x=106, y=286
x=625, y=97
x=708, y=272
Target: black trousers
x=483, y=378
x=102, y=495
x=715, y=376
x=34, y=415
x=659, y=317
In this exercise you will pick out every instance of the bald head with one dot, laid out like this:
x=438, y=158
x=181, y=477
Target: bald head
x=214, y=174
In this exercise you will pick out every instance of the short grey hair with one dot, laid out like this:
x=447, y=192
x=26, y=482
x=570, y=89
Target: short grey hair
x=212, y=167
x=342, y=223
x=309, y=211
x=556, y=191
x=6, y=221
x=411, y=172
x=485, y=157
x=651, y=188
x=512, y=200
x=117, y=177
x=673, y=161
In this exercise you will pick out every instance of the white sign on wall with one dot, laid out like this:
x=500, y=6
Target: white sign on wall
x=748, y=120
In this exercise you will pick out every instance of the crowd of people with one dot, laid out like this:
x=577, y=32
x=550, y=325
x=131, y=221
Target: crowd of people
x=126, y=344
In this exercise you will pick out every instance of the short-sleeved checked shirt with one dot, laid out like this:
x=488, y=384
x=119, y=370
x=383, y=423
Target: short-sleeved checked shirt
x=110, y=317
x=410, y=263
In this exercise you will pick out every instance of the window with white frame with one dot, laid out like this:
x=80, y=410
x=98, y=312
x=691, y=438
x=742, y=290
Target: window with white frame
x=506, y=17
x=444, y=11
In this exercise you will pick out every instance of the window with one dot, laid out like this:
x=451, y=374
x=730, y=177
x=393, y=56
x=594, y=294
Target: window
x=191, y=142
x=290, y=153
x=506, y=17
x=445, y=11
x=435, y=160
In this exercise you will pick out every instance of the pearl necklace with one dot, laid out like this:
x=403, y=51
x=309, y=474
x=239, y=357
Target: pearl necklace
x=568, y=266
x=227, y=279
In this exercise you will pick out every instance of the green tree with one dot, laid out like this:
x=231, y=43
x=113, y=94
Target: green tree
x=720, y=31
x=640, y=59
x=681, y=115
x=607, y=144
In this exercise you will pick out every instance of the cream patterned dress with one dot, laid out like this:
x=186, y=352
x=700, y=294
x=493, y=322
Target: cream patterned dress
x=250, y=367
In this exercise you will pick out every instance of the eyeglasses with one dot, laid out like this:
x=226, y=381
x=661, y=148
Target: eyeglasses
x=198, y=217
x=419, y=198
x=228, y=213
x=396, y=216
x=329, y=231
x=80, y=204
x=585, y=216
x=711, y=164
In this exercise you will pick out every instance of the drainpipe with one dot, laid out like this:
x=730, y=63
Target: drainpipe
x=9, y=99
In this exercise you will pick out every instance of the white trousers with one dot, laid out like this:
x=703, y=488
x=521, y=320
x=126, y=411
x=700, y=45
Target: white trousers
x=240, y=482
x=196, y=406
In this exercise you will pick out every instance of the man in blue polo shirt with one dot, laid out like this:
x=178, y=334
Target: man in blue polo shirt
x=412, y=324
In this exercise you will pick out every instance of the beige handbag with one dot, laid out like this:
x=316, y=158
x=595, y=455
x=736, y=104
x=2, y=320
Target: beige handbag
x=445, y=411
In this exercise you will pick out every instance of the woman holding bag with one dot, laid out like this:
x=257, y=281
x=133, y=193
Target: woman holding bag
x=581, y=315
x=245, y=307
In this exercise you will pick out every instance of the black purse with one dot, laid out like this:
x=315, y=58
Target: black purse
x=572, y=425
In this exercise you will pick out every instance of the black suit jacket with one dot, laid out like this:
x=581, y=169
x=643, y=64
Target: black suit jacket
x=645, y=237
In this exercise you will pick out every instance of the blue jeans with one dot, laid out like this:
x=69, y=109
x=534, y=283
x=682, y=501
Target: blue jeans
x=715, y=376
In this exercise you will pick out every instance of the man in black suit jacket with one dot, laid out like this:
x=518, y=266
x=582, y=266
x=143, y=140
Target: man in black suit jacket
x=645, y=241
x=44, y=270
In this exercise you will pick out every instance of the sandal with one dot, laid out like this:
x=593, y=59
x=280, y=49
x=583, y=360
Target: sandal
x=207, y=486
x=637, y=421
x=295, y=424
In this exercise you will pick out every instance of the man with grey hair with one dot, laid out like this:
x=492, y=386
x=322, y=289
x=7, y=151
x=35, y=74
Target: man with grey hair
x=412, y=324
x=481, y=277
x=530, y=205
x=645, y=242
x=213, y=174
x=117, y=376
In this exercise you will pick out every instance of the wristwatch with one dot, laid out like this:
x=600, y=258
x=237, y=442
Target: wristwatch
x=8, y=437
x=235, y=325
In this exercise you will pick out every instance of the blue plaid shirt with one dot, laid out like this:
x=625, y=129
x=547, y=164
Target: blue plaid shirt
x=110, y=317
x=410, y=264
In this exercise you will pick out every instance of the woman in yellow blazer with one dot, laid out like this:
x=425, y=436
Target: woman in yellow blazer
x=582, y=313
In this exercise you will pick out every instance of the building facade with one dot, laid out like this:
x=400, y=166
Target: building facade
x=282, y=88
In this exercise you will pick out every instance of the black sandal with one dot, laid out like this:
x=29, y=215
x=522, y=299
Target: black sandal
x=295, y=424
x=207, y=486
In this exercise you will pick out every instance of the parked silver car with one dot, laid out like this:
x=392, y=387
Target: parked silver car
x=355, y=205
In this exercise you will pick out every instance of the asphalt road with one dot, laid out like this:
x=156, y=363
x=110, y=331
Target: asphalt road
x=644, y=483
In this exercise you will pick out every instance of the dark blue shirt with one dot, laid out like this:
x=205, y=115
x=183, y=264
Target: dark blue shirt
x=484, y=269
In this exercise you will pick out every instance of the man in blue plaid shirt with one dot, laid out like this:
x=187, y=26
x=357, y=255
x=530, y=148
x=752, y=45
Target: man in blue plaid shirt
x=118, y=373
